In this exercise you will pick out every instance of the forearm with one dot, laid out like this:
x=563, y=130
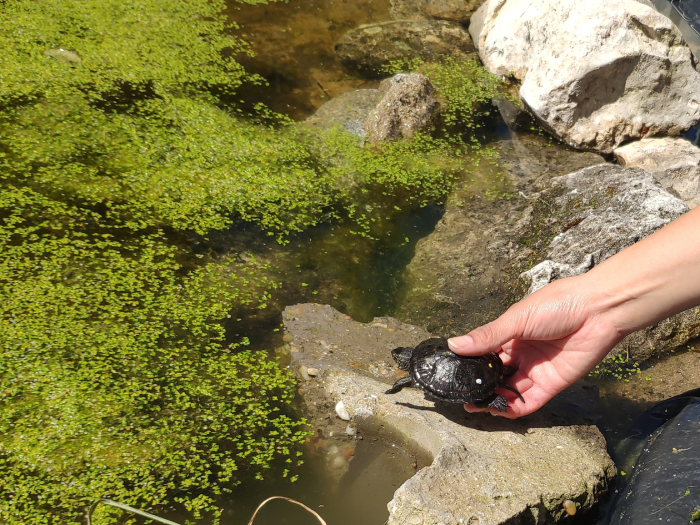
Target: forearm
x=652, y=279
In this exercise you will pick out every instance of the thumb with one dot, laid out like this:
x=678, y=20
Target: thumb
x=487, y=338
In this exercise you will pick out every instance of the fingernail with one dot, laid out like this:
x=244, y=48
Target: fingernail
x=461, y=343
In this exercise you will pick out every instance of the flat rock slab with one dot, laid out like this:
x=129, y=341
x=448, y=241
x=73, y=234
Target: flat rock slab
x=595, y=74
x=454, y=10
x=370, y=47
x=674, y=162
x=485, y=470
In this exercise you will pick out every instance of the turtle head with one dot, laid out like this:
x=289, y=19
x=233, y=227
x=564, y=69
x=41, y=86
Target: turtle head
x=402, y=356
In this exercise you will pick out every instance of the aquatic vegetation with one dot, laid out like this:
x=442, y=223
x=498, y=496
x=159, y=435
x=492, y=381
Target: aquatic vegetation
x=618, y=366
x=463, y=85
x=118, y=142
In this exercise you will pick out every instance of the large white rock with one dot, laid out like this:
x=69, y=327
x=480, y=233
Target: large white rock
x=674, y=162
x=595, y=74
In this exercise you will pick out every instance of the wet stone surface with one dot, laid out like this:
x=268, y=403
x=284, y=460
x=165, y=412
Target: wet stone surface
x=484, y=470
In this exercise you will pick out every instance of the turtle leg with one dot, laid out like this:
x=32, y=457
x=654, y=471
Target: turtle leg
x=512, y=389
x=401, y=383
x=495, y=401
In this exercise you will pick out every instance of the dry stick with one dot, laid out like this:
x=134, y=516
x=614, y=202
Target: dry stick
x=168, y=522
x=320, y=519
x=128, y=509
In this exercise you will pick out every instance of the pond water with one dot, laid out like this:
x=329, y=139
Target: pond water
x=331, y=264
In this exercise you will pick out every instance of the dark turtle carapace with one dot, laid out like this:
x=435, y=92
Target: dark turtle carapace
x=446, y=376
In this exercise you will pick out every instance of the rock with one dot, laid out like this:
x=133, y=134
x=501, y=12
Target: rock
x=569, y=507
x=616, y=208
x=601, y=210
x=371, y=46
x=303, y=371
x=628, y=75
x=460, y=275
x=349, y=110
x=674, y=162
x=64, y=55
x=342, y=411
x=339, y=462
x=287, y=338
x=407, y=107
x=349, y=430
x=313, y=372
x=484, y=470
x=454, y=10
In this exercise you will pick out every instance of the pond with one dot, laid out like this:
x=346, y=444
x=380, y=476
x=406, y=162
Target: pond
x=360, y=272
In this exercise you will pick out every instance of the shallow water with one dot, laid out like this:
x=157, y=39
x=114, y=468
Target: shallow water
x=293, y=43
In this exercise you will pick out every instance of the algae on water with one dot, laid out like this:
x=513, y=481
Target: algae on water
x=116, y=142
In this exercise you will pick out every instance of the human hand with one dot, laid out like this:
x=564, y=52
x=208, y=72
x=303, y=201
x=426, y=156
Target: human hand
x=553, y=337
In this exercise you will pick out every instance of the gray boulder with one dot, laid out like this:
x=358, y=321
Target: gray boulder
x=462, y=273
x=628, y=73
x=616, y=208
x=674, y=162
x=592, y=214
x=349, y=110
x=407, y=106
x=454, y=10
x=371, y=46
x=484, y=470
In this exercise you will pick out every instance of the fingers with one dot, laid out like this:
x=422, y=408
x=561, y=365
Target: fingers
x=535, y=398
x=487, y=338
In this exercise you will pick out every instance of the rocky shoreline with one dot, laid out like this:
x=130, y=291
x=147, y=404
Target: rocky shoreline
x=615, y=82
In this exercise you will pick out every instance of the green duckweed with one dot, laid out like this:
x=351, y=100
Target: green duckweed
x=118, y=143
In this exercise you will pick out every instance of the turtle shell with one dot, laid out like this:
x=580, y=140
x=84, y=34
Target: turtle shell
x=451, y=377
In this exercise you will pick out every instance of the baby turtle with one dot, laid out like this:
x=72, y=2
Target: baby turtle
x=446, y=376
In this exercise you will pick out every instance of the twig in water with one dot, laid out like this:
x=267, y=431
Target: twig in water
x=127, y=508
x=323, y=89
x=319, y=518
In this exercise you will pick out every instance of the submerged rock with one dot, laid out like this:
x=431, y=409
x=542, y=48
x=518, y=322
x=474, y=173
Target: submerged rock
x=485, y=470
x=349, y=110
x=407, y=106
x=674, y=162
x=629, y=74
x=454, y=10
x=372, y=46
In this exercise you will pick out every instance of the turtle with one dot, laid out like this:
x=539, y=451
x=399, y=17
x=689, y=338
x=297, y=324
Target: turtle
x=446, y=376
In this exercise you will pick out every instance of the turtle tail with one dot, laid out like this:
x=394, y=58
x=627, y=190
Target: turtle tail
x=512, y=389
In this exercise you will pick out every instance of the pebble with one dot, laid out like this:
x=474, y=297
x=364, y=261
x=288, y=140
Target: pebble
x=349, y=430
x=342, y=411
x=339, y=462
x=333, y=449
x=304, y=372
x=569, y=507
x=287, y=338
x=294, y=349
x=313, y=372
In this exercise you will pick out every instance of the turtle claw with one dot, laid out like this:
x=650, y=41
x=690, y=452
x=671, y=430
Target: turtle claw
x=499, y=403
x=496, y=401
